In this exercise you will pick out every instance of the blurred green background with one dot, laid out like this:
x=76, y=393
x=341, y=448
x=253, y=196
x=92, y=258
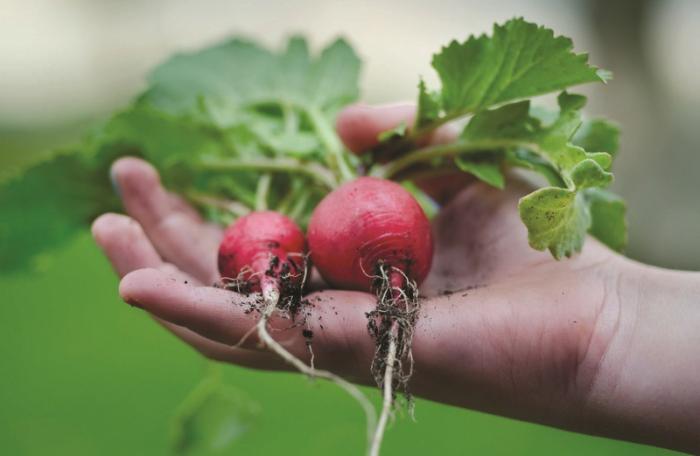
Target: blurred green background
x=84, y=374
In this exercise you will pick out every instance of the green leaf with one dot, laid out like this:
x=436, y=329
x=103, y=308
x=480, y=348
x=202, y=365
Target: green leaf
x=288, y=99
x=598, y=135
x=509, y=121
x=609, y=223
x=428, y=106
x=429, y=206
x=396, y=132
x=556, y=219
x=520, y=60
x=588, y=173
x=49, y=204
x=486, y=169
x=159, y=137
x=526, y=159
x=241, y=74
x=541, y=143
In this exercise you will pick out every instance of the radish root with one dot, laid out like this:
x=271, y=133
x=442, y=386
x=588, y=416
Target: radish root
x=391, y=324
x=271, y=298
x=388, y=396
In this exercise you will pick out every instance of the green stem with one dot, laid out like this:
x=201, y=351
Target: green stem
x=291, y=120
x=393, y=168
x=291, y=196
x=285, y=165
x=262, y=191
x=202, y=199
x=330, y=141
x=298, y=208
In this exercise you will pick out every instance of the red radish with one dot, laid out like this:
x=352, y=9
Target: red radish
x=366, y=223
x=261, y=249
x=264, y=251
x=371, y=234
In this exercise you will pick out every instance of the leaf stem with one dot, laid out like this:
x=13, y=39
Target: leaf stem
x=262, y=191
x=236, y=208
x=298, y=208
x=282, y=165
x=331, y=142
x=393, y=168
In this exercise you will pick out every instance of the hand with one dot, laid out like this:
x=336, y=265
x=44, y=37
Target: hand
x=595, y=344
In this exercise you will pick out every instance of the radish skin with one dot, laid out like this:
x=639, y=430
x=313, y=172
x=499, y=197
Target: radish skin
x=250, y=244
x=366, y=222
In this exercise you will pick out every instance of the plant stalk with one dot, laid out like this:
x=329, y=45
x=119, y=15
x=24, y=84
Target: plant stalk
x=283, y=165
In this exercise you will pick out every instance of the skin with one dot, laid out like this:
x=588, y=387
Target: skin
x=596, y=344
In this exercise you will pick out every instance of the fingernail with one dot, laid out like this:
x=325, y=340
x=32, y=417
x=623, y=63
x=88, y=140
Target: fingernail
x=115, y=183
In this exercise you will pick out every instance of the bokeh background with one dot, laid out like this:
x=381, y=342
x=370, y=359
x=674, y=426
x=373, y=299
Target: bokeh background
x=83, y=374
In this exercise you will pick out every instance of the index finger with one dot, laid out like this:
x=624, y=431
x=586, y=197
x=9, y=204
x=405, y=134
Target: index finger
x=360, y=125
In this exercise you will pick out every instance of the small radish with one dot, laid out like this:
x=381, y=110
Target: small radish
x=371, y=234
x=265, y=251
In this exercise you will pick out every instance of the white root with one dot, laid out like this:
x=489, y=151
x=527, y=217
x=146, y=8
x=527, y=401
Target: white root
x=271, y=297
x=388, y=393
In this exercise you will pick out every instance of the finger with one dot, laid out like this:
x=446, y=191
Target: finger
x=124, y=243
x=127, y=248
x=216, y=313
x=360, y=125
x=175, y=229
x=335, y=320
x=225, y=353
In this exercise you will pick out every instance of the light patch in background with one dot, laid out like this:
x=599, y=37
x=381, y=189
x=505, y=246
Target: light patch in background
x=673, y=45
x=74, y=59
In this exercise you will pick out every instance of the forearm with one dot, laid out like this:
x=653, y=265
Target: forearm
x=648, y=387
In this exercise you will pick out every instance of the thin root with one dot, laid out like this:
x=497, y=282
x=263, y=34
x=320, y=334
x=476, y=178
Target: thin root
x=388, y=394
x=271, y=298
x=391, y=324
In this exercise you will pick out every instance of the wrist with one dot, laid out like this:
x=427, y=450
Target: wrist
x=646, y=388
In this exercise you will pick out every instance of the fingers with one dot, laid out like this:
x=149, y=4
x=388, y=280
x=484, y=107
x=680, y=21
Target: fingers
x=359, y=125
x=174, y=228
x=335, y=321
x=128, y=249
x=124, y=243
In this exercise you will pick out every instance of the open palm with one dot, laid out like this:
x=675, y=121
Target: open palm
x=503, y=328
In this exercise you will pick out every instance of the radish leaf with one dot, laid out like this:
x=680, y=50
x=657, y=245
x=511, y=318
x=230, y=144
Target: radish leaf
x=557, y=219
x=518, y=61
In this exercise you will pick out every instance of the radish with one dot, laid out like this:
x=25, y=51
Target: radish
x=265, y=251
x=371, y=234
x=262, y=252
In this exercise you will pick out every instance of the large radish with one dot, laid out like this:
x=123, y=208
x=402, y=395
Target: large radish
x=371, y=234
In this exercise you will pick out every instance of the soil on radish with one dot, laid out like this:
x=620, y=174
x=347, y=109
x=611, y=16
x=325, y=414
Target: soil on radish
x=292, y=305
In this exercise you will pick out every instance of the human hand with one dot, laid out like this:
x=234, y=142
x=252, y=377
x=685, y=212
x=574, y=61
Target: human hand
x=580, y=344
